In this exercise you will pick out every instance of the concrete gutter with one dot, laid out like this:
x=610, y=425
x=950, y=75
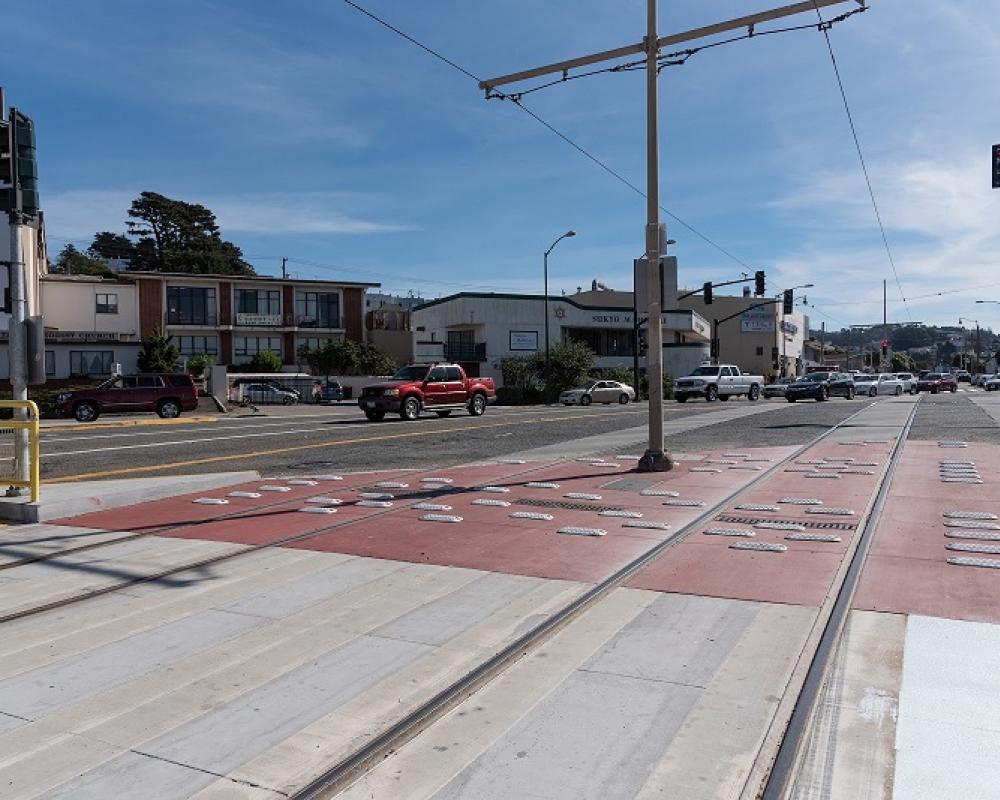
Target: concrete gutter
x=50, y=425
x=71, y=499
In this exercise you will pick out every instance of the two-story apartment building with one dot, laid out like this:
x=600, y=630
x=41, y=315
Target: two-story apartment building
x=233, y=318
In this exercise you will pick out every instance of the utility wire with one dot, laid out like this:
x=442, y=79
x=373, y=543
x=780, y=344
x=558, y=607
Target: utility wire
x=824, y=27
x=553, y=129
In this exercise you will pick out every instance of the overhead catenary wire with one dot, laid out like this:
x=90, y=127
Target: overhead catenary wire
x=618, y=176
x=825, y=28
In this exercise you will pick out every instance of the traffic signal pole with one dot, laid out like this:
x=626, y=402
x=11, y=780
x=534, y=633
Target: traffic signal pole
x=18, y=351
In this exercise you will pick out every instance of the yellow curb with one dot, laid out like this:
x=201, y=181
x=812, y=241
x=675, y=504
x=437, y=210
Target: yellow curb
x=128, y=423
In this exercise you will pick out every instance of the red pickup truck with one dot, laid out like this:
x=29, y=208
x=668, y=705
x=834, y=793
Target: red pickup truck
x=441, y=388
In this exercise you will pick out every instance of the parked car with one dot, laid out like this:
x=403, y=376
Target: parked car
x=166, y=394
x=865, y=384
x=935, y=382
x=718, y=382
x=606, y=392
x=991, y=383
x=329, y=392
x=821, y=386
x=269, y=394
x=268, y=382
x=777, y=389
x=441, y=388
x=909, y=381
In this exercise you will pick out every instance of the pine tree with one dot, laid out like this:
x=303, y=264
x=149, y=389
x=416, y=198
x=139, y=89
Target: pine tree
x=159, y=353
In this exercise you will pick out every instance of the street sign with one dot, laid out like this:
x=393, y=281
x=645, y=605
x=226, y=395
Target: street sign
x=996, y=166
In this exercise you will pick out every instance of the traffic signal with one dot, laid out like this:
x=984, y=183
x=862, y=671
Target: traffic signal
x=758, y=280
x=789, y=301
x=24, y=164
x=707, y=288
x=996, y=166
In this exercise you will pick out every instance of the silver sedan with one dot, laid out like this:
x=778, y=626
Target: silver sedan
x=606, y=392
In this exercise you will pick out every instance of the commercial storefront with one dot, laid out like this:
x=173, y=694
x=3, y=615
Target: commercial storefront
x=478, y=330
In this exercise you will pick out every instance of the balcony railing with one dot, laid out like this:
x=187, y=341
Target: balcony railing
x=465, y=352
x=306, y=321
x=205, y=320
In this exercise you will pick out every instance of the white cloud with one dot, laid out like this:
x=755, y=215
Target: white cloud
x=78, y=214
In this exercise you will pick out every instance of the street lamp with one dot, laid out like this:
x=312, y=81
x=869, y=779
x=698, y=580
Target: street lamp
x=962, y=321
x=545, y=269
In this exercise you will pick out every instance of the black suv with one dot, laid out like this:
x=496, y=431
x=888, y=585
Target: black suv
x=820, y=386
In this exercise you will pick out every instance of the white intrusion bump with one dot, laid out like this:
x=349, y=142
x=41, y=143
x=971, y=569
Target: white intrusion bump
x=374, y=503
x=812, y=537
x=251, y=495
x=582, y=496
x=780, y=526
x=832, y=511
x=302, y=482
x=494, y=489
x=611, y=512
x=319, y=510
x=211, y=501
x=484, y=501
x=440, y=518
x=391, y=485
x=766, y=546
x=432, y=507
x=755, y=507
x=729, y=532
x=376, y=496
x=269, y=488
x=659, y=493
x=964, y=561
x=531, y=515
x=969, y=515
x=654, y=526
x=325, y=501
x=575, y=530
x=801, y=501
x=684, y=503
x=541, y=485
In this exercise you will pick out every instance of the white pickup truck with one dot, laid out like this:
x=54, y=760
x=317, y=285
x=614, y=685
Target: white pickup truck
x=718, y=382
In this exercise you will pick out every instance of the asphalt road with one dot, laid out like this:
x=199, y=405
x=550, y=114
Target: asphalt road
x=308, y=439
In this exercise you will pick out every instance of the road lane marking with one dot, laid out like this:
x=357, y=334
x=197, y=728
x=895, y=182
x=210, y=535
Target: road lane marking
x=312, y=446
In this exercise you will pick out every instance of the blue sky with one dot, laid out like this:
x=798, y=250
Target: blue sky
x=316, y=134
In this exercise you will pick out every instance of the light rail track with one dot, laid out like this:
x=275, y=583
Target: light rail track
x=342, y=774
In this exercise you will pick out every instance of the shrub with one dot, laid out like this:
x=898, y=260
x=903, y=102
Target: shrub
x=199, y=362
x=265, y=361
x=159, y=353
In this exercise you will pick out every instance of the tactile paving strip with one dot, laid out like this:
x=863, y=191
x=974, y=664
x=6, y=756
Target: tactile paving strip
x=815, y=524
x=813, y=537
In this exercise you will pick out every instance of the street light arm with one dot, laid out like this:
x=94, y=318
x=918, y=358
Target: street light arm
x=553, y=247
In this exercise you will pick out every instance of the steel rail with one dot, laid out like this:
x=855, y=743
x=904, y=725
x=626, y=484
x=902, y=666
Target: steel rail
x=784, y=768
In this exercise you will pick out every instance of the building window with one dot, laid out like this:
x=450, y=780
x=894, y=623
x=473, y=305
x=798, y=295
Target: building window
x=107, y=304
x=198, y=345
x=91, y=362
x=605, y=342
x=317, y=309
x=246, y=347
x=191, y=305
x=314, y=342
x=258, y=301
x=760, y=351
x=50, y=363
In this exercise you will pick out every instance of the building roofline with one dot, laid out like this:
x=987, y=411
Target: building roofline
x=59, y=278
x=245, y=278
x=538, y=297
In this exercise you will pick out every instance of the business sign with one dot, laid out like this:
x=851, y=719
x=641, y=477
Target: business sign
x=789, y=327
x=524, y=340
x=757, y=320
x=259, y=320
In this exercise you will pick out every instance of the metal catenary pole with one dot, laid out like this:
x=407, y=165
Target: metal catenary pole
x=17, y=343
x=655, y=459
